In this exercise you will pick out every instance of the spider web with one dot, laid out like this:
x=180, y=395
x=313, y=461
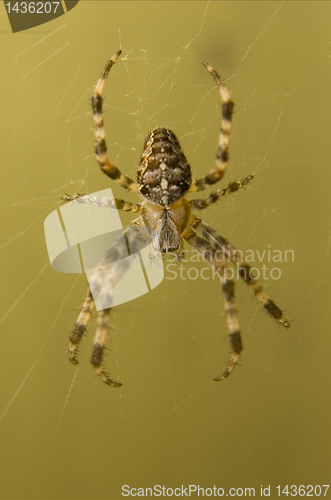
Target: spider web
x=66, y=435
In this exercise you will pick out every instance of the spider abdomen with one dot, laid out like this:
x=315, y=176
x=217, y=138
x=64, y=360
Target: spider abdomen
x=164, y=175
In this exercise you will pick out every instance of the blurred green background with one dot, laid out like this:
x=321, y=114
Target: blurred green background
x=64, y=434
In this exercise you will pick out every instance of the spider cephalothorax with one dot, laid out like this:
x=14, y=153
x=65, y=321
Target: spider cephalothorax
x=163, y=180
x=169, y=223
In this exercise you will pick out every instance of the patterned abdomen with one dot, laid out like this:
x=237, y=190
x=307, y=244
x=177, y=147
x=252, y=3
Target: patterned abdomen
x=164, y=176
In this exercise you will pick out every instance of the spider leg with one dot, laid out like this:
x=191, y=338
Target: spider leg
x=232, y=187
x=80, y=326
x=217, y=173
x=108, y=273
x=245, y=272
x=98, y=347
x=100, y=143
x=102, y=284
x=87, y=199
x=210, y=255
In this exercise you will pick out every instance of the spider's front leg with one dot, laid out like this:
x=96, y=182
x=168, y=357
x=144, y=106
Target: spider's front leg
x=110, y=270
x=80, y=326
x=98, y=348
x=101, y=291
x=221, y=244
x=222, y=151
x=99, y=340
x=210, y=255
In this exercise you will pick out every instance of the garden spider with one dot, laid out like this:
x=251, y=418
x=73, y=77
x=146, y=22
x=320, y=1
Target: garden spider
x=163, y=180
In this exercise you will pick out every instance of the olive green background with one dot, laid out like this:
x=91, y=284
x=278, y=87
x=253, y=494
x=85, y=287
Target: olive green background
x=65, y=435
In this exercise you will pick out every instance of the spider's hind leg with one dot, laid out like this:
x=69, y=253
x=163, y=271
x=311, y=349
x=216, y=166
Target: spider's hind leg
x=217, y=173
x=100, y=136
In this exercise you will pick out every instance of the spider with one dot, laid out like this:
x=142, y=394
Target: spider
x=163, y=181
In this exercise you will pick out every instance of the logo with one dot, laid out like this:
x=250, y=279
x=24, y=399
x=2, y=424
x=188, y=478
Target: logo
x=120, y=265
x=25, y=15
